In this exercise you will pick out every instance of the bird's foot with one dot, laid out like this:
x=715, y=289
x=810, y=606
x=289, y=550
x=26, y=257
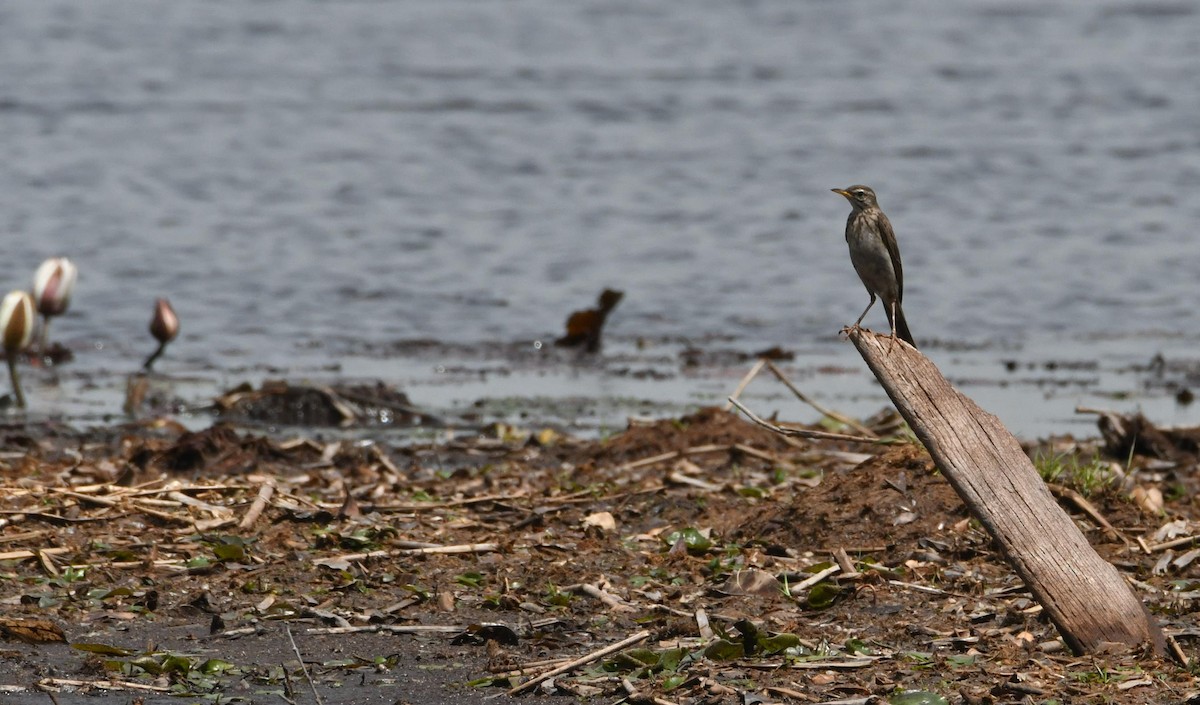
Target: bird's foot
x=847, y=330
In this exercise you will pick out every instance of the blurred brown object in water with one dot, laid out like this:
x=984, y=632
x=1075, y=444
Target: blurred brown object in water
x=164, y=327
x=584, y=327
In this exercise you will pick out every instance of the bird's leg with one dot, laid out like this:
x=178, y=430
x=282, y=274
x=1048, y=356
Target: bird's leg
x=892, y=320
x=864, y=313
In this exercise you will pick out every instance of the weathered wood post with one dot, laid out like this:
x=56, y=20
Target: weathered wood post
x=1084, y=595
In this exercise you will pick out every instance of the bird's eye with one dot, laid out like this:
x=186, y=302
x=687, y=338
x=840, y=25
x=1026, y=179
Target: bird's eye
x=860, y=194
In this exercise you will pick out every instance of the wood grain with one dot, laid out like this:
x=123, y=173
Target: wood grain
x=1084, y=595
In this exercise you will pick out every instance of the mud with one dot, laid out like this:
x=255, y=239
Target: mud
x=456, y=568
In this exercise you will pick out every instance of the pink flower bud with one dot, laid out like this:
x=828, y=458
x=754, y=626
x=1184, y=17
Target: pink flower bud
x=53, y=284
x=165, y=324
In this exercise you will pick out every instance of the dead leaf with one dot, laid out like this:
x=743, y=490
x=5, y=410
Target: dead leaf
x=751, y=582
x=1171, y=530
x=31, y=631
x=603, y=521
x=1149, y=500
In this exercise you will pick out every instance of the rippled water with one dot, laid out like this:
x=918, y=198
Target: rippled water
x=304, y=179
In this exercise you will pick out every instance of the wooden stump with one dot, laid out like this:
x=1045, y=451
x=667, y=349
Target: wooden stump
x=1084, y=595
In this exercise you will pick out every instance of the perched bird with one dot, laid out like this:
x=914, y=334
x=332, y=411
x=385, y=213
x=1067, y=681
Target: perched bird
x=876, y=257
x=585, y=327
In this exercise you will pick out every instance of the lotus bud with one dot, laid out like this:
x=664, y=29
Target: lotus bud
x=164, y=327
x=165, y=324
x=16, y=330
x=53, y=285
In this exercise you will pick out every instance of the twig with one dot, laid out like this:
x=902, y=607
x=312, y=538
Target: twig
x=1155, y=548
x=869, y=700
x=165, y=516
x=460, y=548
x=634, y=696
x=840, y=418
x=303, y=669
x=1176, y=651
x=586, y=658
x=1087, y=508
x=103, y=501
x=289, y=691
x=609, y=599
x=215, y=510
x=737, y=391
x=760, y=454
x=786, y=692
x=843, y=559
x=934, y=591
x=24, y=555
x=643, y=462
x=103, y=684
x=389, y=628
x=427, y=506
x=802, y=432
x=523, y=669
x=702, y=625
x=818, y=665
x=681, y=479
x=418, y=550
x=813, y=580
x=260, y=503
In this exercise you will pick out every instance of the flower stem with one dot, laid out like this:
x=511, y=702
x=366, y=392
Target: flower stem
x=45, y=337
x=154, y=356
x=16, y=380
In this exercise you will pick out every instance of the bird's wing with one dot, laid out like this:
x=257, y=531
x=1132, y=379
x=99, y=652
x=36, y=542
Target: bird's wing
x=889, y=241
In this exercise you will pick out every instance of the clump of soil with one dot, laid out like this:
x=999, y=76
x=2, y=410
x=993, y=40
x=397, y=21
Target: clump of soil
x=763, y=569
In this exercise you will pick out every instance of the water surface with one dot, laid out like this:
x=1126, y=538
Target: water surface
x=311, y=181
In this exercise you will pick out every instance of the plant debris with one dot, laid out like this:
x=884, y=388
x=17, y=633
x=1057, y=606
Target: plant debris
x=702, y=559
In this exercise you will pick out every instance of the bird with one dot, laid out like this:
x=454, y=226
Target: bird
x=584, y=327
x=876, y=257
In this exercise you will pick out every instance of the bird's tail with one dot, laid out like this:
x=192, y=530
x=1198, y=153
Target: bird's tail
x=901, y=326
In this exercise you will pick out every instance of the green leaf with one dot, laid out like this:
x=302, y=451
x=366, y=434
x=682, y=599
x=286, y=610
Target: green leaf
x=229, y=552
x=777, y=643
x=472, y=579
x=175, y=663
x=858, y=646
x=673, y=681
x=693, y=540
x=147, y=663
x=669, y=660
x=724, y=650
x=215, y=667
x=822, y=595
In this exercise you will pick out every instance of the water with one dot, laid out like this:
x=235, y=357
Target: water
x=309, y=181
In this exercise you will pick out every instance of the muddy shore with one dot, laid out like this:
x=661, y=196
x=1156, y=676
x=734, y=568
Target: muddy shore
x=147, y=561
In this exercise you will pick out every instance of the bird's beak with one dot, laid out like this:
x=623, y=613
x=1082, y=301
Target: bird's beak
x=841, y=191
